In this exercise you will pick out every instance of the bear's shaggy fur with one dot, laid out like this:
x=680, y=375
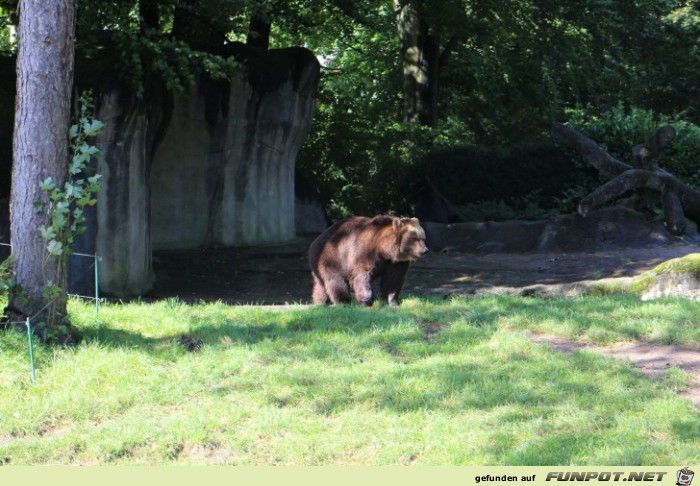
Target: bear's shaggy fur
x=352, y=253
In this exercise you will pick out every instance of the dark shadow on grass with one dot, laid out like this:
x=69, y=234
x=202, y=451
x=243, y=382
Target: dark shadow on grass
x=219, y=330
x=253, y=325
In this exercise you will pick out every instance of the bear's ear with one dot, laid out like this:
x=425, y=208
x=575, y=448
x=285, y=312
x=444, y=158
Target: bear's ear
x=410, y=221
x=396, y=223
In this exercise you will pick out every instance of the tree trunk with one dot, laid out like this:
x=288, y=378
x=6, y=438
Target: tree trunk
x=259, y=31
x=40, y=145
x=191, y=25
x=420, y=55
x=150, y=16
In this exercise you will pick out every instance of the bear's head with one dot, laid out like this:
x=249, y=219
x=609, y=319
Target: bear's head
x=410, y=238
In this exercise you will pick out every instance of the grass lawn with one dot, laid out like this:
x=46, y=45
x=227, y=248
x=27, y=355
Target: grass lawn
x=433, y=383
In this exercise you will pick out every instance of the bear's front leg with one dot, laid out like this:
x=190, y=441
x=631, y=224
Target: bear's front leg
x=392, y=282
x=362, y=288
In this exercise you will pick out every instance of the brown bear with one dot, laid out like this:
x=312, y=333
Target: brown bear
x=352, y=253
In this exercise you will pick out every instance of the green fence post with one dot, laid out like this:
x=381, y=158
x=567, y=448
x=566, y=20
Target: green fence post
x=31, y=350
x=97, y=285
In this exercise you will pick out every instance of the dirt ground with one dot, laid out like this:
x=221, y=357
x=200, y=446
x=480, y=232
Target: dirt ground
x=651, y=359
x=278, y=275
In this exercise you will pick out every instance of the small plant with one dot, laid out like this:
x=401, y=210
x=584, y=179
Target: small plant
x=525, y=208
x=6, y=276
x=65, y=206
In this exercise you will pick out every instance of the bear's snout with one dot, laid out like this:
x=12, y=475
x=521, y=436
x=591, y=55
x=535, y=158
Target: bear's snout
x=422, y=251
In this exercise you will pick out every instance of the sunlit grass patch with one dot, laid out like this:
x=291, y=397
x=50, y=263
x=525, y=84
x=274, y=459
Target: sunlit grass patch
x=432, y=382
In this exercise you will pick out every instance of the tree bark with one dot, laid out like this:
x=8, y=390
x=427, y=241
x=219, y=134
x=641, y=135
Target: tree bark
x=40, y=143
x=150, y=16
x=421, y=63
x=259, y=31
x=645, y=154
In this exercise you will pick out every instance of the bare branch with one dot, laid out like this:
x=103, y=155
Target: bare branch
x=599, y=158
x=645, y=154
x=673, y=211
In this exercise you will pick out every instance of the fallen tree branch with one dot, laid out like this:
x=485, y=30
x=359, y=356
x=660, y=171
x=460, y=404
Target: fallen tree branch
x=679, y=200
x=598, y=158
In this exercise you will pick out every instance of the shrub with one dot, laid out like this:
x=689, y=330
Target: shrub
x=540, y=171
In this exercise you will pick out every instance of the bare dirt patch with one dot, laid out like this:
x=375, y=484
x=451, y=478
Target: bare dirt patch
x=650, y=359
x=432, y=329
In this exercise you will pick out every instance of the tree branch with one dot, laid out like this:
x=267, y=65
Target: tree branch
x=447, y=51
x=673, y=211
x=645, y=154
x=627, y=181
x=679, y=200
x=600, y=159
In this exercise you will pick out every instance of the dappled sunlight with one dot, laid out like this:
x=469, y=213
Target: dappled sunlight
x=432, y=382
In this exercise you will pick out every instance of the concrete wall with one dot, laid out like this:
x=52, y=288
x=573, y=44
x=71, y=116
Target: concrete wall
x=214, y=167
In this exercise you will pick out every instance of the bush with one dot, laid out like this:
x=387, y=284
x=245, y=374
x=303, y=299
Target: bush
x=518, y=208
x=526, y=181
x=540, y=172
x=6, y=276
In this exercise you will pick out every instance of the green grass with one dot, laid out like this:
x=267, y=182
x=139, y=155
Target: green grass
x=349, y=385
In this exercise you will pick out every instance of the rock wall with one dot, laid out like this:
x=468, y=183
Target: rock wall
x=122, y=231
x=214, y=167
x=224, y=172
x=602, y=229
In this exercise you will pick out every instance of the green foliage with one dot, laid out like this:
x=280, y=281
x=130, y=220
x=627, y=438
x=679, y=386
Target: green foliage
x=516, y=208
x=8, y=43
x=7, y=281
x=65, y=206
x=358, y=151
x=514, y=68
x=174, y=61
x=521, y=175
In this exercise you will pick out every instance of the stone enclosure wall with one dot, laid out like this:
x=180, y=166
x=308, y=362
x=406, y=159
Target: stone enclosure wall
x=212, y=167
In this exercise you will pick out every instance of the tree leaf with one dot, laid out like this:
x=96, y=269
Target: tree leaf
x=55, y=248
x=47, y=184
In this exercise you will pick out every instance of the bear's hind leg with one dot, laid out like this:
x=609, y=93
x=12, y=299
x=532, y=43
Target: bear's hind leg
x=337, y=290
x=319, y=295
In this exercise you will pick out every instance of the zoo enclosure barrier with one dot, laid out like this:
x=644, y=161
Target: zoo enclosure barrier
x=96, y=298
